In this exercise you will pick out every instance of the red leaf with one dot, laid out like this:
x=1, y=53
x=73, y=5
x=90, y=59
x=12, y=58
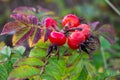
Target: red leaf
x=27, y=19
x=12, y=27
x=35, y=37
x=22, y=35
x=47, y=33
x=95, y=25
x=107, y=32
x=24, y=10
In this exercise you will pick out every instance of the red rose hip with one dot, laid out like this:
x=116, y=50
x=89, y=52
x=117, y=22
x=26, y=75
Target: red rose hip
x=85, y=30
x=71, y=20
x=50, y=22
x=57, y=38
x=75, y=39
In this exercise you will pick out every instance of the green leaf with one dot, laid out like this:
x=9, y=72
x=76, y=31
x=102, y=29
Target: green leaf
x=3, y=73
x=42, y=44
x=8, y=65
x=104, y=43
x=97, y=60
x=47, y=77
x=56, y=68
x=38, y=52
x=19, y=50
x=3, y=58
x=82, y=75
x=76, y=69
x=6, y=51
x=73, y=58
x=29, y=61
x=90, y=69
x=24, y=72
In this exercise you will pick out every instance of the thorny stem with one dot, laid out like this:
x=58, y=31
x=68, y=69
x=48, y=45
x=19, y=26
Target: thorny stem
x=103, y=55
x=43, y=68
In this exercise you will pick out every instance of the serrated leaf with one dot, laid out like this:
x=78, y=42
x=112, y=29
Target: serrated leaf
x=107, y=32
x=35, y=37
x=8, y=65
x=90, y=69
x=73, y=58
x=24, y=72
x=47, y=77
x=26, y=19
x=58, y=68
x=3, y=73
x=47, y=33
x=75, y=70
x=38, y=52
x=6, y=51
x=12, y=27
x=3, y=58
x=22, y=35
x=42, y=44
x=24, y=10
x=80, y=76
x=19, y=49
x=104, y=43
x=29, y=61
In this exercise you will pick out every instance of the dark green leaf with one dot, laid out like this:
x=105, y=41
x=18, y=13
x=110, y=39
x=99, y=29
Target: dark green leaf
x=8, y=65
x=56, y=68
x=75, y=71
x=3, y=72
x=82, y=75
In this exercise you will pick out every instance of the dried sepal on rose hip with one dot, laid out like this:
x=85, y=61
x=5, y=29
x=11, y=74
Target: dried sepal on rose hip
x=57, y=39
x=70, y=20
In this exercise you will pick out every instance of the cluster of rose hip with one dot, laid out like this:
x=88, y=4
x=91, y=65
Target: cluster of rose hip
x=74, y=32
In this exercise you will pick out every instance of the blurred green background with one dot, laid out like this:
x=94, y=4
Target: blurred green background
x=91, y=10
